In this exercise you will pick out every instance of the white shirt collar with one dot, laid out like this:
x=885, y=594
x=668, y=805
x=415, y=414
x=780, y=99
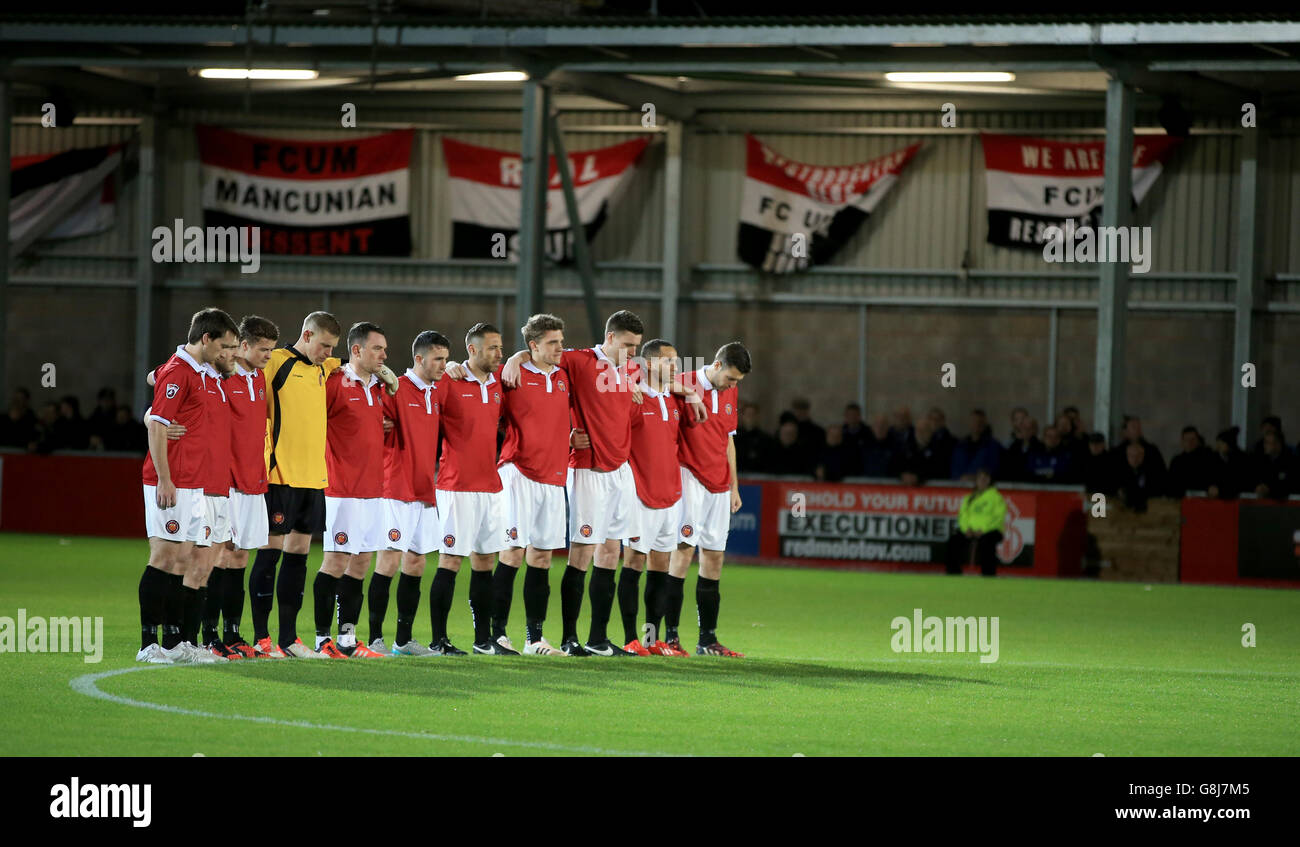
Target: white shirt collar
x=352, y=374
x=180, y=352
x=650, y=392
x=416, y=381
x=528, y=365
x=469, y=375
x=704, y=380
x=239, y=369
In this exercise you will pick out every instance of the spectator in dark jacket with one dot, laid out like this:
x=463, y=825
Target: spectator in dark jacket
x=976, y=450
x=753, y=446
x=1098, y=470
x=900, y=429
x=789, y=457
x=1053, y=462
x=838, y=459
x=880, y=458
x=811, y=436
x=70, y=431
x=18, y=426
x=103, y=419
x=127, y=435
x=1015, y=459
x=1132, y=432
x=925, y=458
x=855, y=429
x=1274, y=469
x=46, y=429
x=1193, y=468
x=1139, y=478
x=1231, y=467
x=1272, y=423
x=942, y=435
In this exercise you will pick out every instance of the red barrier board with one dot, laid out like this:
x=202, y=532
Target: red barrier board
x=72, y=495
x=1224, y=542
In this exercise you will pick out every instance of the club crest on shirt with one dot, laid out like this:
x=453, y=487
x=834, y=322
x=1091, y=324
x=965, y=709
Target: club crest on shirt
x=728, y=408
x=496, y=396
x=207, y=533
x=677, y=415
x=278, y=517
x=394, y=534
x=512, y=534
x=172, y=390
x=688, y=531
x=560, y=383
x=585, y=531
x=172, y=527
x=340, y=538
x=261, y=394
x=449, y=541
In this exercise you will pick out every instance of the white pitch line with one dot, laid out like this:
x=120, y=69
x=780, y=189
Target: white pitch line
x=88, y=685
x=973, y=662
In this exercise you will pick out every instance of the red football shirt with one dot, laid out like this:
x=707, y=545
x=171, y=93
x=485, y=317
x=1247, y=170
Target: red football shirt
x=602, y=407
x=537, y=425
x=219, y=475
x=354, y=435
x=180, y=396
x=702, y=449
x=655, y=425
x=411, y=447
x=471, y=413
x=246, y=394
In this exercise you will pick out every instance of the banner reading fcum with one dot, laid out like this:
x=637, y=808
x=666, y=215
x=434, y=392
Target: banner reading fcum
x=343, y=197
x=485, y=197
x=869, y=523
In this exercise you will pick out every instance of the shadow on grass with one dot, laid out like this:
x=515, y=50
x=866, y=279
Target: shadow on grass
x=466, y=677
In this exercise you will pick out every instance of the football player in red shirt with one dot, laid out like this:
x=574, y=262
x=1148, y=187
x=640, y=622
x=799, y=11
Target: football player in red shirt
x=533, y=468
x=354, y=505
x=469, y=492
x=410, y=497
x=173, y=475
x=710, y=495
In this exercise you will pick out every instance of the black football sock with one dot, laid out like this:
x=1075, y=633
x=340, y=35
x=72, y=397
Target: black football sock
x=503, y=591
x=707, y=600
x=628, y=585
x=571, y=600
x=601, y=594
x=173, y=610
x=232, y=605
x=480, y=605
x=655, y=587
x=153, y=591
x=408, y=603
x=537, y=593
x=192, y=608
x=324, y=590
x=377, y=601
x=288, y=595
x=440, y=595
x=350, y=597
x=212, y=604
x=261, y=587
x=673, y=597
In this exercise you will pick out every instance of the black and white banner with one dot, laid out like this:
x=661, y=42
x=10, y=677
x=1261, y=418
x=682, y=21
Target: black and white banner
x=793, y=215
x=39, y=185
x=485, y=198
x=1034, y=183
x=349, y=196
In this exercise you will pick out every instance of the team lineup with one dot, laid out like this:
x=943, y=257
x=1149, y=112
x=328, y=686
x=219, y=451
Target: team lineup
x=256, y=448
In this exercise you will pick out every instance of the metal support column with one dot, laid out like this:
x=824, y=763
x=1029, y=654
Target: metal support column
x=862, y=360
x=6, y=127
x=1245, y=401
x=579, y=233
x=532, y=218
x=672, y=247
x=1112, y=305
x=148, y=209
x=1053, y=330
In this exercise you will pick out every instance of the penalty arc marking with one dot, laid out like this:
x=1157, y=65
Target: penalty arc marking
x=88, y=684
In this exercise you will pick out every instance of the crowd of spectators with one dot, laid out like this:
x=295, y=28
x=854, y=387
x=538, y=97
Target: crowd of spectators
x=61, y=426
x=1064, y=452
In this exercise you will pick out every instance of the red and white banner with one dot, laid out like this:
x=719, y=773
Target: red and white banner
x=1033, y=183
x=347, y=196
x=38, y=184
x=485, y=198
x=793, y=214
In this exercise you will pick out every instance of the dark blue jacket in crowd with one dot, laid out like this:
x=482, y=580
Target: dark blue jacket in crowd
x=968, y=456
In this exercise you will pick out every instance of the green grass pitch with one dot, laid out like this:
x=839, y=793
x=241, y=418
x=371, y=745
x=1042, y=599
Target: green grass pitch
x=1084, y=668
